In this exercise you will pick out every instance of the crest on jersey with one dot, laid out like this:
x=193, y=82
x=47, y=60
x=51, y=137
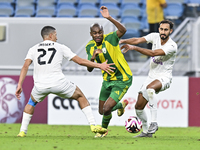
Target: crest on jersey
x=104, y=50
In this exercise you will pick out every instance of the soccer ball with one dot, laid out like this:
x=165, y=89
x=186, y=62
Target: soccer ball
x=11, y=108
x=133, y=124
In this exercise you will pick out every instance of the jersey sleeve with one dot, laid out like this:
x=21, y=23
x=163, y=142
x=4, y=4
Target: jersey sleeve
x=112, y=38
x=115, y=34
x=68, y=54
x=149, y=37
x=29, y=54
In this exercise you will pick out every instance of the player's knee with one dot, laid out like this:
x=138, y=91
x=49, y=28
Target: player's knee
x=141, y=102
x=138, y=107
x=106, y=110
x=32, y=103
x=100, y=111
x=77, y=94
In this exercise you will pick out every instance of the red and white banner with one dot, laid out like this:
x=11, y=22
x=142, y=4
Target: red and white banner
x=11, y=108
x=172, y=103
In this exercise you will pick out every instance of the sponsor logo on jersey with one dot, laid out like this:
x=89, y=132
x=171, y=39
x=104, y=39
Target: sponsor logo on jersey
x=157, y=61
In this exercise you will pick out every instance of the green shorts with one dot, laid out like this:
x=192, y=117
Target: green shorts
x=114, y=89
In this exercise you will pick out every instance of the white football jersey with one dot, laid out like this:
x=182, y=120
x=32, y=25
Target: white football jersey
x=161, y=65
x=47, y=58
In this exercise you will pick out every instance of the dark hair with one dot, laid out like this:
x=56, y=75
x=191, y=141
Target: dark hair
x=47, y=30
x=171, y=24
x=96, y=25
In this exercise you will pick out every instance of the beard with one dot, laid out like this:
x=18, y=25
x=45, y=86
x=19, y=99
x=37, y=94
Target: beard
x=164, y=37
x=98, y=40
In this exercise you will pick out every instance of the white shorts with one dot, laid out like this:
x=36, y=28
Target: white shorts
x=64, y=89
x=164, y=81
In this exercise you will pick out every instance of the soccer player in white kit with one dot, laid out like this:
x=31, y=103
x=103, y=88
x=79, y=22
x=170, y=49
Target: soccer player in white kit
x=47, y=57
x=163, y=56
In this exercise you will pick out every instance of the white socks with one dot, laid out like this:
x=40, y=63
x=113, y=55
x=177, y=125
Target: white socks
x=143, y=117
x=25, y=122
x=152, y=104
x=89, y=115
x=153, y=109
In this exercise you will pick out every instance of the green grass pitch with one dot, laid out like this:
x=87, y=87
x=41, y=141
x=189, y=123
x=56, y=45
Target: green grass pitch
x=71, y=137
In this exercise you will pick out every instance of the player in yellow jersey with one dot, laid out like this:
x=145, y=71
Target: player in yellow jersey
x=106, y=47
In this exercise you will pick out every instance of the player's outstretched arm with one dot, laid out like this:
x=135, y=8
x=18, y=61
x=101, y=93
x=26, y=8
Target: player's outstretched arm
x=133, y=41
x=84, y=62
x=158, y=52
x=23, y=73
x=125, y=48
x=121, y=29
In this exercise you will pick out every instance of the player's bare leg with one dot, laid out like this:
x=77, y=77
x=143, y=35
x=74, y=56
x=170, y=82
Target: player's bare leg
x=86, y=108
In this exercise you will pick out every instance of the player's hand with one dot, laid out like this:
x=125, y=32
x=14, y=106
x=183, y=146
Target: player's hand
x=121, y=41
x=18, y=92
x=107, y=67
x=125, y=48
x=96, y=52
x=104, y=12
